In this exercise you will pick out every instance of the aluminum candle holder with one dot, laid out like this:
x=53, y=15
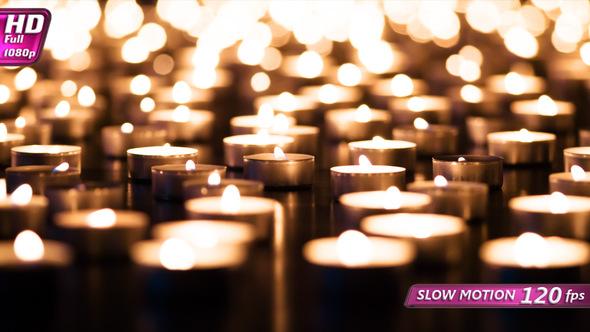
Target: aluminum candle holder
x=522, y=147
x=141, y=160
x=293, y=171
x=46, y=155
x=474, y=168
x=167, y=180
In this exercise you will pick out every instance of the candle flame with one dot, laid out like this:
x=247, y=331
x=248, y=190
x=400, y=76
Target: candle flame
x=214, y=179
x=461, y=159
x=546, y=105
x=531, y=250
x=354, y=248
x=190, y=165
x=20, y=122
x=440, y=181
x=578, y=173
x=262, y=133
x=416, y=104
x=392, y=199
x=86, y=96
x=176, y=254
x=328, y=94
x=378, y=139
x=265, y=116
x=181, y=114
x=471, y=93
x=286, y=102
x=102, y=218
x=3, y=132
x=140, y=85
x=401, y=85
x=62, y=109
x=365, y=163
x=558, y=203
x=147, y=105
x=280, y=124
x=127, y=128
x=22, y=195
x=363, y=114
x=514, y=83
x=181, y=92
x=54, y=149
x=205, y=238
x=230, y=200
x=420, y=124
x=525, y=136
x=3, y=189
x=279, y=154
x=28, y=246
x=61, y=167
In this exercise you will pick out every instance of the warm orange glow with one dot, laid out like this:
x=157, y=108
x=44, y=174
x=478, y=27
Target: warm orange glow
x=393, y=198
x=102, y=218
x=214, y=179
x=3, y=132
x=440, y=181
x=531, y=250
x=190, y=165
x=181, y=114
x=558, y=203
x=176, y=254
x=363, y=114
x=354, y=248
x=230, y=200
x=62, y=109
x=127, y=128
x=28, y=246
x=22, y=195
x=420, y=124
x=546, y=105
x=279, y=154
x=578, y=173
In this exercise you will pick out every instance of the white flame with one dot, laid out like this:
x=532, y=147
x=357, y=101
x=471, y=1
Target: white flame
x=365, y=163
x=28, y=246
x=140, y=85
x=546, y=105
x=578, y=173
x=440, y=181
x=286, y=102
x=265, y=116
x=354, y=248
x=86, y=96
x=214, y=179
x=421, y=229
x=181, y=92
x=190, y=165
x=279, y=154
x=61, y=167
x=3, y=132
x=230, y=200
x=127, y=128
x=20, y=122
x=420, y=124
x=102, y=218
x=22, y=195
x=461, y=159
x=363, y=114
x=531, y=250
x=62, y=109
x=181, y=114
x=416, y=104
x=514, y=83
x=392, y=199
x=558, y=203
x=328, y=94
x=525, y=136
x=401, y=85
x=176, y=254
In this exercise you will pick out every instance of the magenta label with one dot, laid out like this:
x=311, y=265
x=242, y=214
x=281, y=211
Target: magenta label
x=23, y=35
x=498, y=296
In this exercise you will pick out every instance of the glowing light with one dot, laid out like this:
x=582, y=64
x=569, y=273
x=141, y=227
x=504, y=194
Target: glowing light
x=68, y=88
x=546, y=105
x=471, y=93
x=365, y=163
x=402, y=85
x=62, y=109
x=147, y=105
x=286, y=102
x=568, y=28
x=272, y=59
x=181, y=92
x=251, y=52
x=265, y=116
x=20, y=122
x=25, y=79
x=440, y=181
x=349, y=74
x=558, y=203
x=525, y=136
x=230, y=200
x=416, y=104
x=61, y=167
x=310, y=64
x=163, y=64
x=531, y=250
x=22, y=195
x=86, y=96
x=392, y=199
x=102, y=218
x=280, y=123
x=214, y=179
x=154, y=36
x=205, y=238
x=420, y=124
x=585, y=53
x=135, y=50
x=279, y=154
x=140, y=85
x=354, y=248
x=176, y=254
x=483, y=16
x=363, y=114
x=514, y=83
x=520, y=42
x=469, y=71
x=127, y=128
x=377, y=57
x=578, y=173
x=421, y=229
x=122, y=18
x=204, y=77
x=28, y=246
x=328, y=94
x=3, y=132
x=190, y=165
x=460, y=159
x=260, y=82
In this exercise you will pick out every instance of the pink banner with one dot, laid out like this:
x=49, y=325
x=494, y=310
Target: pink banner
x=23, y=33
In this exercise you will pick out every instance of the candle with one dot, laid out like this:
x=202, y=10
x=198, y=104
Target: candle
x=545, y=114
x=575, y=183
x=302, y=108
x=101, y=234
x=251, y=124
x=576, y=156
x=212, y=232
x=522, y=147
x=167, y=180
x=515, y=84
x=478, y=128
x=46, y=155
x=21, y=211
x=34, y=132
x=29, y=253
x=433, y=109
x=305, y=138
x=473, y=100
x=41, y=176
x=257, y=211
x=385, y=152
x=555, y=214
x=464, y=199
x=356, y=124
x=279, y=169
x=236, y=147
x=140, y=160
x=184, y=124
x=532, y=257
x=182, y=94
x=330, y=95
x=68, y=124
x=474, y=168
x=438, y=238
x=430, y=139
x=116, y=140
x=215, y=186
x=401, y=85
x=365, y=177
x=86, y=195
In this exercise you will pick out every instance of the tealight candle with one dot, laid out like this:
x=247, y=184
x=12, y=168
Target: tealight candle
x=29, y=253
x=545, y=114
x=69, y=124
x=330, y=95
x=116, y=140
x=236, y=147
x=575, y=183
x=401, y=85
x=41, y=176
x=302, y=108
x=86, y=195
x=522, y=147
x=365, y=177
x=464, y=199
x=515, y=84
x=167, y=180
x=279, y=169
x=430, y=139
x=34, y=132
x=212, y=231
x=140, y=160
x=182, y=94
x=21, y=211
x=46, y=155
x=7, y=142
x=576, y=156
x=532, y=257
x=184, y=124
x=305, y=138
x=474, y=168
x=257, y=211
x=478, y=128
x=356, y=124
x=433, y=109
x=385, y=152
x=215, y=186
x=251, y=124
x=104, y=233
x=555, y=214
x=438, y=238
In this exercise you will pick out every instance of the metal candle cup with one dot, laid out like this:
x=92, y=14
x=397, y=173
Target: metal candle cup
x=385, y=152
x=56, y=255
x=577, y=156
x=294, y=171
x=382, y=91
x=225, y=232
x=518, y=148
x=438, y=238
x=478, y=128
x=15, y=218
x=305, y=138
x=77, y=124
x=250, y=124
x=116, y=142
x=105, y=239
x=39, y=177
x=529, y=112
x=236, y=147
x=567, y=184
x=197, y=125
x=167, y=180
x=353, y=178
x=141, y=160
x=433, y=109
x=342, y=125
x=302, y=108
x=434, y=140
x=46, y=155
x=87, y=195
x=6, y=144
x=474, y=168
x=201, y=188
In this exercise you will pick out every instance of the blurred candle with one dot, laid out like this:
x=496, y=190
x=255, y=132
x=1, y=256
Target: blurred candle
x=576, y=182
x=183, y=124
x=21, y=211
x=385, y=152
x=279, y=169
x=46, y=155
x=7, y=142
x=236, y=147
x=545, y=114
x=430, y=139
x=522, y=147
x=140, y=160
x=116, y=140
x=576, y=156
x=167, y=180
x=475, y=168
x=356, y=124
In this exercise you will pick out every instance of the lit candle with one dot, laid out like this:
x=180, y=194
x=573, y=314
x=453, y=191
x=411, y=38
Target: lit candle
x=34, y=131
x=305, y=138
x=385, y=152
x=576, y=182
x=356, y=124
x=104, y=233
x=41, y=176
x=430, y=139
x=365, y=177
x=86, y=195
x=433, y=109
x=576, y=156
x=236, y=147
x=330, y=95
x=545, y=114
x=473, y=100
x=69, y=124
x=140, y=160
x=514, y=84
x=251, y=124
x=21, y=211
x=201, y=231
x=479, y=127
x=401, y=85
x=548, y=215
x=46, y=155
x=522, y=147
x=7, y=142
x=302, y=108
x=182, y=94
x=464, y=199
x=183, y=124
x=116, y=140
x=438, y=238
x=257, y=211
x=215, y=186
x=167, y=180
x=29, y=253
x=532, y=257
x=474, y=168
x=279, y=169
